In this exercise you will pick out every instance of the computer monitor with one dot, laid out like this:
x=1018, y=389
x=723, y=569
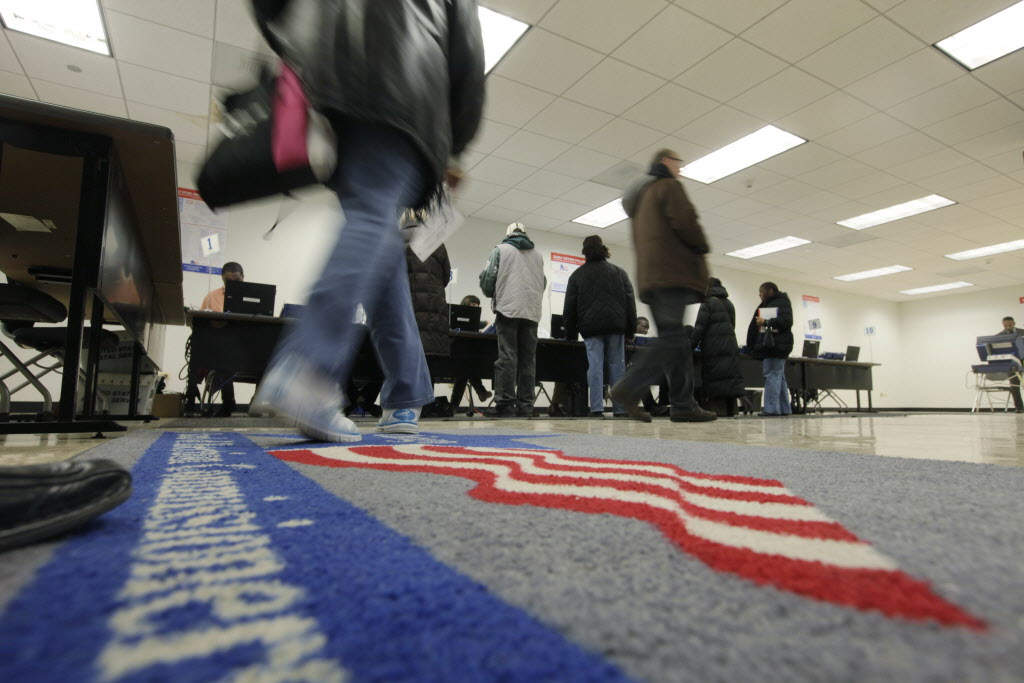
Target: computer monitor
x=557, y=326
x=249, y=297
x=465, y=318
x=811, y=348
x=999, y=344
x=852, y=353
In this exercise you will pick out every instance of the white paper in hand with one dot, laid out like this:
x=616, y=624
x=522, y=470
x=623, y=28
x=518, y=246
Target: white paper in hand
x=435, y=230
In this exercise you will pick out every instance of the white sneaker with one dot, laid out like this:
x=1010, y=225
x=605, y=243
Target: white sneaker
x=294, y=389
x=400, y=421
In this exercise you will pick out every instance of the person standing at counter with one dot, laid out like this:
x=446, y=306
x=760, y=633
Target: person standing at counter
x=770, y=338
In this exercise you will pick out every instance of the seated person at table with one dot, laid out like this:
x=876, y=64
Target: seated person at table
x=459, y=387
x=214, y=301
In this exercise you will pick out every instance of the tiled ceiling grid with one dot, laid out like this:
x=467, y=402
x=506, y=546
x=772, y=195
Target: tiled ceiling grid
x=578, y=106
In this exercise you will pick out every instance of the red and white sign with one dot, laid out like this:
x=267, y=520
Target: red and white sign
x=562, y=266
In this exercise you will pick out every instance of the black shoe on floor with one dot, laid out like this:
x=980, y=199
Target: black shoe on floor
x=699, y=415
x=769, y=415
x=484, y=395
x=225, y=410
x=596, y=413
x=507, y=411
x=527, y=413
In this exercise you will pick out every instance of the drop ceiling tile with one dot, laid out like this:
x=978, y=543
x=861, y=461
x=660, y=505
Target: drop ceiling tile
x=490, y=135
x=141, y=42
x=600, y=24
x=17, y=85
x=498, y=214
x=530, y=148
x=478, y=191
x=801, y=27
x=906, y=148
x=645, y=49
x=865, y=134
x=733, y=15
x=870, y=184
x=1002, y=141
x=502, y=171
x=883, y=5
x=548, y=62
x=943, y=160
x=466, y=207
x=976, y=122
x=235, y=25
x=836, y=173
x=731, y=70
x=830, y=113
x=564, y=210
x=582, y=163
x=740, y=208
x=749, y=180
x=529, y=11
x=802, y=159
x=815, y=202
x=706, y=197
x=684, y=149
x=945, y=101
x=785, y=193
x=192, y=16
x=549, y=184
x=47, y=60
x=8, y=60
x=591, y=194
x=782, y=94
x=513, y=103
x=236, y=68
x=613, y=86
x=535, y=220
x=911, y=76
x=568, y=121
x=578, y=230
x=865, y=50
x=1004, y=162
x=80, y=99
x=188, y=153
x=1004, y=73
x=186, y=127
x=669, y=108
x=985, y=188
x=187, y=174
x=164, y=90
x=720, y=127
x=523, y=202
x=621, y=138
x=933, y=20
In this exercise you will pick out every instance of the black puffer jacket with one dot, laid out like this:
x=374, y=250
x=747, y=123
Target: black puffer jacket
x=416, y=65
x=781, y=326
x=599, y=300
x=715, y=333
x=427, y=280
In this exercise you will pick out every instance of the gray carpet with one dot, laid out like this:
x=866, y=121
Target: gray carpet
x=618, y=588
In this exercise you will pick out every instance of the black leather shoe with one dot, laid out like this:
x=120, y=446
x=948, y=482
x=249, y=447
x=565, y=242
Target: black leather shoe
x=41, y=501
x=699, y=415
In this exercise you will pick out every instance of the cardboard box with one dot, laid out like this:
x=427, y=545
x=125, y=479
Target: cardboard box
x=168, y=405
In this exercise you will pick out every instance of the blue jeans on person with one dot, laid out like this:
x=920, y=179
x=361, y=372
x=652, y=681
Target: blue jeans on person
x=379, y=174
x=605, y=352
x=776, y=391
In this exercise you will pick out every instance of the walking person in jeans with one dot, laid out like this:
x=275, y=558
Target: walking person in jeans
x=671, y=274
x=599, y=305
x=403, y=102
x=514, y=279
x=774, y=354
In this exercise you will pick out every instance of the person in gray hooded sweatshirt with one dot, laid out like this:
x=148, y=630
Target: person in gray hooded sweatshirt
x=514, y=279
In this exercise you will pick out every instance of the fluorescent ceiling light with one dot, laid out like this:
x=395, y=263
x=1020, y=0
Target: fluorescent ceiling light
x=937, y=288
x=894, y=213
x=738, y=155
x=988, y=40
x=603, y=216
x=877, y=272
x=987, y=251
x=73, y=22
x=500, y=33
x=769, y=247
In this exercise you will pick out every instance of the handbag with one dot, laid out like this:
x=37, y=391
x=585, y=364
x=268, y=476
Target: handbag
x=275, y=142
x=767, y=340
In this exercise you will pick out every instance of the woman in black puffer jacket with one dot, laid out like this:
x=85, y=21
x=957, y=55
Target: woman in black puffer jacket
x=715, y=334
x=427, y=280
x=776, y=390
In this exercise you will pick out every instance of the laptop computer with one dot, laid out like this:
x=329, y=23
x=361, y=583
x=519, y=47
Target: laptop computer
x=810, y=348
x=852, y=353
x=465, y=318
x=557, y=326
x=249, y=297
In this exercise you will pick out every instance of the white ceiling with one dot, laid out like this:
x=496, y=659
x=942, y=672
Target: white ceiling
x=596, y=86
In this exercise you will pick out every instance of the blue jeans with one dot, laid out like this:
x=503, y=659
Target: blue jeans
x=604, y=351
x=776, y=391
x=379, y=173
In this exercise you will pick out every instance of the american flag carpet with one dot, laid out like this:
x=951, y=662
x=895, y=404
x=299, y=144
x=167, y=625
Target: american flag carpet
x=477, y=555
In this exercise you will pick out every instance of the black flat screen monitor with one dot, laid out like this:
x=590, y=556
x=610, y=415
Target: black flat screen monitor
x=810, y=348
x=852, y=353
x=557, y=327
x=249, y=297
x=465, y=318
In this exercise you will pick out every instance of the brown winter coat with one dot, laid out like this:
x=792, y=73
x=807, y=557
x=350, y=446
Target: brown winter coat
x=669, y=242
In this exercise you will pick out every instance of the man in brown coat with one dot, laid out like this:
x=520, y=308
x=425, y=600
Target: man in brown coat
x=671, y=274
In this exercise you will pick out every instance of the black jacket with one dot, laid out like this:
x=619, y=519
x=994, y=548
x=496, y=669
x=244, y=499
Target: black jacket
x=599, y=300
x=427, y=280
x=415, y=65
x=781, y=326
x=715, y=333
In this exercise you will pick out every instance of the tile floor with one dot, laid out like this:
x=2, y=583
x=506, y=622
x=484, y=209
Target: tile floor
x=984, y=438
